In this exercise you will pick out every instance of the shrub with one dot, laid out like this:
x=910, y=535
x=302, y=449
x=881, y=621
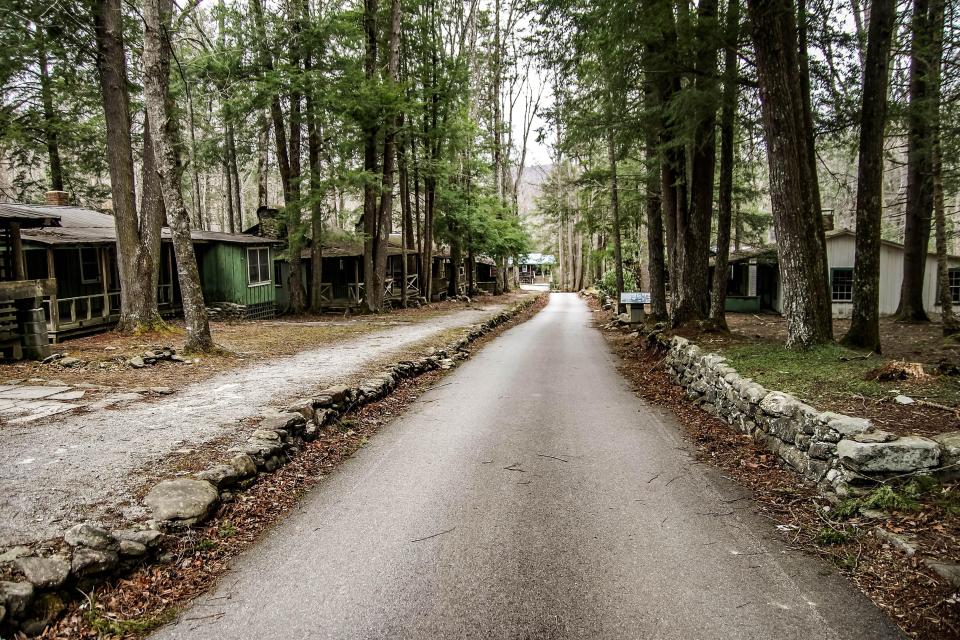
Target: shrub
x=608, y=283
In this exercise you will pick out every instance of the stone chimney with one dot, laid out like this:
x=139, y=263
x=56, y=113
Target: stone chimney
x=827, y=220
x=58, y=198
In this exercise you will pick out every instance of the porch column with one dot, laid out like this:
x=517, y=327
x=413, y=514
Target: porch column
x=19, y=270
x=105, y=279
x=54, y=305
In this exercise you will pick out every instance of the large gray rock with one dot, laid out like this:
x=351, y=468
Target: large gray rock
x=45, y=573
x=88, y=535
x=950, y=448
x=243, y=465
x=16, y=596
x=149, y=538
x=777, y=403
x=220, y=476
x=183, y=500
x=88, y=561
x=845, y=425
x=904, y=454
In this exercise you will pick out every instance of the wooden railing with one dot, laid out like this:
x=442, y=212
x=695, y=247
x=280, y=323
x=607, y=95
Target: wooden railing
x=64, y=313
x=391, y=289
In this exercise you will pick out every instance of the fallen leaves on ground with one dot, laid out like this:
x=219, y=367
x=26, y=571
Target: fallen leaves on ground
x=920, y=602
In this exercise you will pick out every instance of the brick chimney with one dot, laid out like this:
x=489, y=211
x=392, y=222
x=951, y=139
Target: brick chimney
x=58, y=198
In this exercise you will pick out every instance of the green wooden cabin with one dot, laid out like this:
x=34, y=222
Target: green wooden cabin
x=81, y=255
x=237, y=269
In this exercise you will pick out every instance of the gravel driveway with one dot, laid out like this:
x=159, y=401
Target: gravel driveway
x=73, y=467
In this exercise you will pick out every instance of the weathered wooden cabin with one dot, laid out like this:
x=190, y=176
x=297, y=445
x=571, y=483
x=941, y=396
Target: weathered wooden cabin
x=485, y=274
x=81, y=255
x=343, y=274
x=23, y=331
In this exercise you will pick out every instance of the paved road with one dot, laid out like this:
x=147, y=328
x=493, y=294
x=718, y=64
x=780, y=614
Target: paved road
x=531, y=497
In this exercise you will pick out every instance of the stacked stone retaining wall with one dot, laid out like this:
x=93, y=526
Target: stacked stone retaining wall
x=838, y=451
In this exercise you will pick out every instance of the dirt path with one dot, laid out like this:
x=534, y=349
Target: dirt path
x=76, y=467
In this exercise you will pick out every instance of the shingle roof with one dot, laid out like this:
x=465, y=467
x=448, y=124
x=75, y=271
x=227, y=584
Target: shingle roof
x=29, y=215
x=86, y=226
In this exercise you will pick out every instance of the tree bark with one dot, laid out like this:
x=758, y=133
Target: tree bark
x=165, y=133
x=615, y=209
x=922, y=111
x=263, y=160
x=50, y=119
x=799, y=226
x=865, y=319
x=372, y=292
x=728, y=115
x=385, y=214
x=693, y=230
x=656, y=269
x=138, y=239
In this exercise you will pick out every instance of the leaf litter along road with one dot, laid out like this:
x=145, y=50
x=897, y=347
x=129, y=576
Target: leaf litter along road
x=571, y=554
x=79, y=466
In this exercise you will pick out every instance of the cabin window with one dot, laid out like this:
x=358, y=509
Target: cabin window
x=258, y=266
x=841, y=285
x=278, y=275
x=89, y=265
x=954, y=274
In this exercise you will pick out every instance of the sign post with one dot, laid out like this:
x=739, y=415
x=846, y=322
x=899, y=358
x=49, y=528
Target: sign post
x=634, y=301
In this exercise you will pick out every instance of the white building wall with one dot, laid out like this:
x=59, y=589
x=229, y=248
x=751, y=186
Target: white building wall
x=841, y=250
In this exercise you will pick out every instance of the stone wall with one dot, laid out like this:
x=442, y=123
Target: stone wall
x=840, y=452
x=36, y=581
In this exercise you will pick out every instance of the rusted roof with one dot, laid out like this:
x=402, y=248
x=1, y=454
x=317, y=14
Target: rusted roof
x=30, y=216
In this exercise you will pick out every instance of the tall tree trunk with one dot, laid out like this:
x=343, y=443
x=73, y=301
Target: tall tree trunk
x=294, y=209
x=372, y=292
x=865, y=320
x=796, y=217
x=263, y=160
x=138, y=239
x=317, y=196
x=615, y=207
x=804, y=61
x=693, y=229
x=228, y=184
x=728, y=116
x=50, y=119
x=385, y=214
x=165, y=134
x=235, y=176
x=920, y=120
x=655, y=248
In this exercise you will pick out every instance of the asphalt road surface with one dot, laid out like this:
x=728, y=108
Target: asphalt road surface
x=530, y=496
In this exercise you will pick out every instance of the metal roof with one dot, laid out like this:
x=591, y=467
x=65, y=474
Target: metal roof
x=538, y=258
x=30, y=215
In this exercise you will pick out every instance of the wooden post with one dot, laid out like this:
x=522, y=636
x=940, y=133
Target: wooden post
x=19, y=270
x=356, y=278
x=54, y=305
x=105, y=279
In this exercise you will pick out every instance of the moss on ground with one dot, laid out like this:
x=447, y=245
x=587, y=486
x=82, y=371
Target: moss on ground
x=828, y=371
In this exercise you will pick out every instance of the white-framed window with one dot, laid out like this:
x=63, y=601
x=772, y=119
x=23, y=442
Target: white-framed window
x=89, y=265
x=258, y=266
x=841, y=284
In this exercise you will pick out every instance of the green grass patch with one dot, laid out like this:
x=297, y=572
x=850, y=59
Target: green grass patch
x=828, y=536
x=112, y=627
x=826, y=372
